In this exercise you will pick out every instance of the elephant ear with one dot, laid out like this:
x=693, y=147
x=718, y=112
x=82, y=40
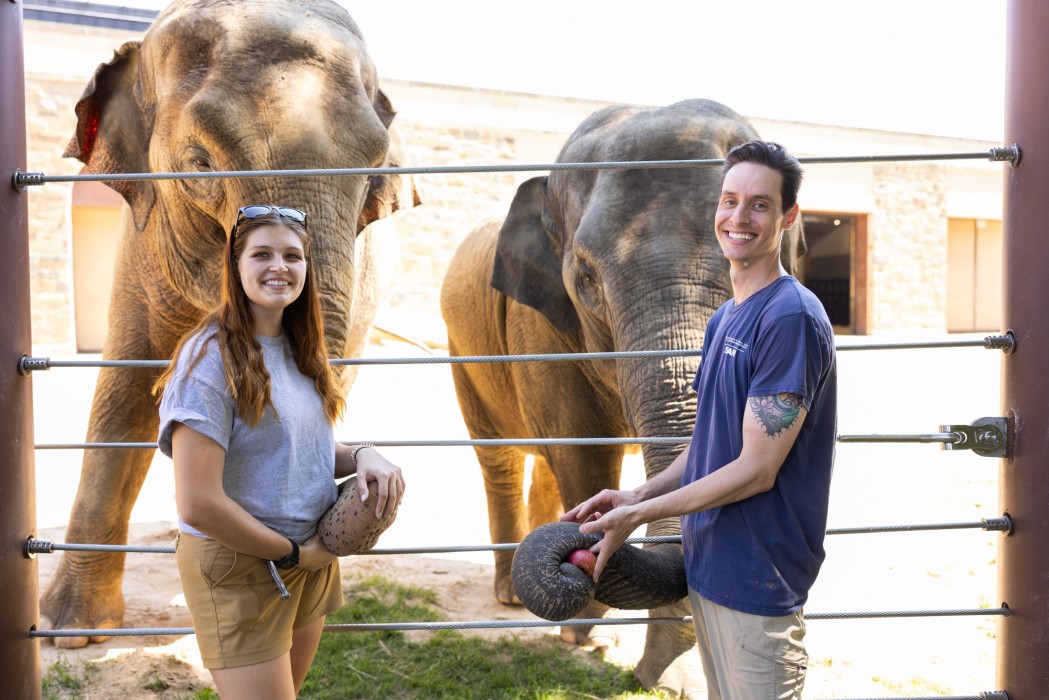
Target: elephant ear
x=111, y=132
x=793, y=247
x=528, y=259
x=388, y=193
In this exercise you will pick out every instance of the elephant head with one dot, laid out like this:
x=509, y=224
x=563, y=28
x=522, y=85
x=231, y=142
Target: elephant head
x=216, y=86
x=253, y=85
x=593, y=261
x=627, y=259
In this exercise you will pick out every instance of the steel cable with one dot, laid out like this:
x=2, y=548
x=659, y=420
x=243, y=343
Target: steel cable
x=991, y=342
x=34, y=546
x=513, y=624
x=21, y=180
x=942, y=438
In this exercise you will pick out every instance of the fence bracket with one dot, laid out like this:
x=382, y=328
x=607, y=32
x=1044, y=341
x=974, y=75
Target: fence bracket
x=987, y=437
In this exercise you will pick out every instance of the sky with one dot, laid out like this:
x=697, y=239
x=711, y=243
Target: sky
x=919, y=66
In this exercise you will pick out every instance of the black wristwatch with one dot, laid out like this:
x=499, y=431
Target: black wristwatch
x=292, y=560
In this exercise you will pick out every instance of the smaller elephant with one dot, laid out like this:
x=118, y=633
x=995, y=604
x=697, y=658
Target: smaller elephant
x=595, y=261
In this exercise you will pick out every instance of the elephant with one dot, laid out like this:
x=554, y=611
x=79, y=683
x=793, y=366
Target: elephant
x=595, y=261
x=216, y=86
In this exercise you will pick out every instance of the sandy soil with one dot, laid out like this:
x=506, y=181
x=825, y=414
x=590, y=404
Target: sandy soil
x=887, y=392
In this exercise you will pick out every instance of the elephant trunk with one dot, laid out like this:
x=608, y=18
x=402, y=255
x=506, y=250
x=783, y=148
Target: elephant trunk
x=662, y=404
x=634, y=579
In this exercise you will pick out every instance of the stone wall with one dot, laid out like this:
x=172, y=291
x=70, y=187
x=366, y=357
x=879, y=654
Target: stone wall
x=453, y=205
x=50, y=122
x=908, y=248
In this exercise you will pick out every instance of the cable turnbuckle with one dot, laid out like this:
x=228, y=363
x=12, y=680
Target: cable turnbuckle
x=987, y=437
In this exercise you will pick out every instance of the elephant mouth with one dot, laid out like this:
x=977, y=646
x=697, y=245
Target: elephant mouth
x=634, y=579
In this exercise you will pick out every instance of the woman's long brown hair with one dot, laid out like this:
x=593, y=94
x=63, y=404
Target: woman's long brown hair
x=303, y=324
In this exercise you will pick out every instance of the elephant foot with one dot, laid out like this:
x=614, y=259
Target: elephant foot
x=600, y=637
x=72, y=603
x=504, y=591
x=682, y=677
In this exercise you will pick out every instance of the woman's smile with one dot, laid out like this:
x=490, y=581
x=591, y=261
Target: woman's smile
x=272, y=271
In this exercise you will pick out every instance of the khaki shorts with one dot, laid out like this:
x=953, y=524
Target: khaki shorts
x=749, y=657
x=238, y=615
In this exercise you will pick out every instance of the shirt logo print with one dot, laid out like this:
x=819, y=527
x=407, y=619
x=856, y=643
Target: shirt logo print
x=732, y=346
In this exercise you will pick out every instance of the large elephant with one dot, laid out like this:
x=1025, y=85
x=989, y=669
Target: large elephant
x=216, y=86
x=588, y=261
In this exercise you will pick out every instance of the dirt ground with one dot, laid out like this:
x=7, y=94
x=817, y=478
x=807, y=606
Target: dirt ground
x=887, y=392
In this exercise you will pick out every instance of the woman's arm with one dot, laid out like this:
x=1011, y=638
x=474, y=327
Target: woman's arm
x=203, y=504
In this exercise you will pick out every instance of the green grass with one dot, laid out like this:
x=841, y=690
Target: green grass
x=156, y=685
x=65, y=680
x=448, y=664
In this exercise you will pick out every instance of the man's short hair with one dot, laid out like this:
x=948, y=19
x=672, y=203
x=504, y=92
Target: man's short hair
x=772, y=155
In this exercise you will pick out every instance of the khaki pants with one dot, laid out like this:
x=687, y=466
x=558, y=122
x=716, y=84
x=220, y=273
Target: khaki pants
x=238, y=615
x=749, y=657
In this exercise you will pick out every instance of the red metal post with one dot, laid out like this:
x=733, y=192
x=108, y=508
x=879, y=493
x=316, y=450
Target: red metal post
x=18, y=575
x=1023, y=561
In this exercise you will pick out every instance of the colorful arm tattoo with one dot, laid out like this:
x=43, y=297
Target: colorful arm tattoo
x=776, y=413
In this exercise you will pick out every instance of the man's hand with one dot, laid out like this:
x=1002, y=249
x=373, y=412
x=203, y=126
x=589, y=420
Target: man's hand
x=605, y=501
x=618, y=522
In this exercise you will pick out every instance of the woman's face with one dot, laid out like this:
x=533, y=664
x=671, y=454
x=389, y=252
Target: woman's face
x=272, y=271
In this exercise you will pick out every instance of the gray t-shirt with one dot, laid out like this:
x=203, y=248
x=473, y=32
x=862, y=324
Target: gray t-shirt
x=282, y=471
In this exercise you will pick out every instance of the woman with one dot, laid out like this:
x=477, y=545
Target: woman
x=248, y=405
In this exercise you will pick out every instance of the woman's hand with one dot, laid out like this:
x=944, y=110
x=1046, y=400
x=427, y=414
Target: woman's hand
x=313, y=555
x=376, y=472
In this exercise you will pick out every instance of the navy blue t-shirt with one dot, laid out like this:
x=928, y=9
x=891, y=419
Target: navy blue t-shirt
x=761, y=555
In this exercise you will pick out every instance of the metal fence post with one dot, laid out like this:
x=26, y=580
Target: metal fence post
x=1023, y=562
x=18, y=574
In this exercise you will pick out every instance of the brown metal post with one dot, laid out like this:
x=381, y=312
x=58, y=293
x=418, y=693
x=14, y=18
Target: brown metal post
x=1023, y=561
x=18, y=575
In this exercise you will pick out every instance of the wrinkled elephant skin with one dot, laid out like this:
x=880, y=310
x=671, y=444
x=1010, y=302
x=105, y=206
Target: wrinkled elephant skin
x=592, y=261
x=216, y=86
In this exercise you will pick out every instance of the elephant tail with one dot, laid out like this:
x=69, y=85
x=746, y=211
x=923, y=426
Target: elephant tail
x=634, y=579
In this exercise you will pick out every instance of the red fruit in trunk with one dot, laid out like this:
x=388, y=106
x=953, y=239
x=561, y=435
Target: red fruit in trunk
x=584, y=559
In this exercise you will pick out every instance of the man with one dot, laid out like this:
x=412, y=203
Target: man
x=752, y=488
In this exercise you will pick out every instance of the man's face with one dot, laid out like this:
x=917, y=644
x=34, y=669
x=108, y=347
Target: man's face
x=750, y=220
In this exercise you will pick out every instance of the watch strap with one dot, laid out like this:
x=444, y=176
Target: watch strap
x=291, y=560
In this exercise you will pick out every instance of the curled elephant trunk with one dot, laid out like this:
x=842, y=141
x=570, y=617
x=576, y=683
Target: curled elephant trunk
x=633, y=579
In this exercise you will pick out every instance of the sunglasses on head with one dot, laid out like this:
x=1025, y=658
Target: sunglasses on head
x=253, y=211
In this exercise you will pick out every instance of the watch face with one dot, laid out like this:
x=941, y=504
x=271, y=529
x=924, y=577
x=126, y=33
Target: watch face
x=288, y=562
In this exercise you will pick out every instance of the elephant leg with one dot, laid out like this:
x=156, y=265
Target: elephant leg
x=597, y=636
x=544, y=497
x=503, y=471
x=85, y=591
x=670, y=662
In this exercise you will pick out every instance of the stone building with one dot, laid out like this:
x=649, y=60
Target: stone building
x=893, y=246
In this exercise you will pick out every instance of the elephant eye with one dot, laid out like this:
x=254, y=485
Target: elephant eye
x=200, y=164
x=588, y=284
x=196, y=159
